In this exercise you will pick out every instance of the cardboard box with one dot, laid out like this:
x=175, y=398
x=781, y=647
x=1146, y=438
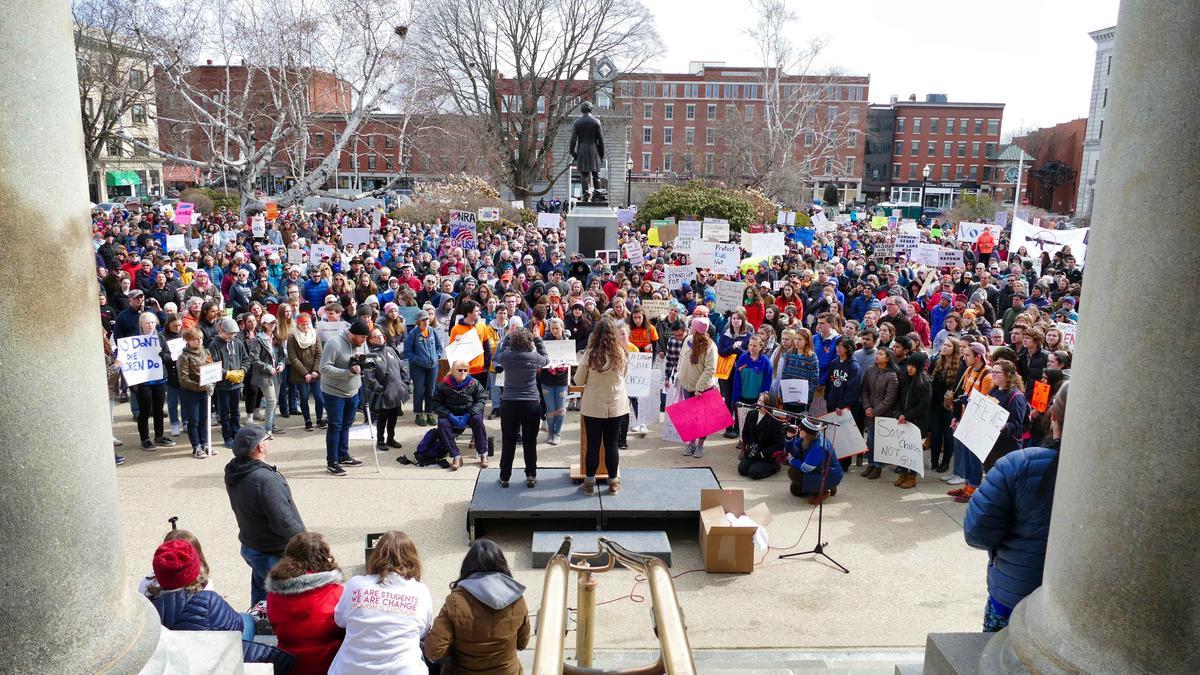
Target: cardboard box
x=724, y=547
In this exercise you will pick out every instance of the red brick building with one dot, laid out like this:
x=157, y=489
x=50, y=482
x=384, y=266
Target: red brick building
x=1059, y=153
x=953, y=139
x=680, y=122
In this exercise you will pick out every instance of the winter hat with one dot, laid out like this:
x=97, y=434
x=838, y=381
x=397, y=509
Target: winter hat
x=422, y=316
x=228, y=325
x=360, y=327
x=947, y=297
x=917, y=359
x=700, y=325
x=247, y=439
x=810, y=425
x=515, y=321
x=176, y=564
x=389, y=306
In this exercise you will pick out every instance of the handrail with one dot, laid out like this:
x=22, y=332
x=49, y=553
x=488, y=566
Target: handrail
x=669, y=625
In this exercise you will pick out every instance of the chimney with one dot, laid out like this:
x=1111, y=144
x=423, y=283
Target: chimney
x=208, y=62
x=894, y=99
x=912, y=97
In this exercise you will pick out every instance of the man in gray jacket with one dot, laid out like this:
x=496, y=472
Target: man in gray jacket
x=341, y=379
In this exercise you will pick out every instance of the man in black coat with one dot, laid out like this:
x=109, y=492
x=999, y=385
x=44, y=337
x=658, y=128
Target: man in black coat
x=587, y=147
x=262, y=503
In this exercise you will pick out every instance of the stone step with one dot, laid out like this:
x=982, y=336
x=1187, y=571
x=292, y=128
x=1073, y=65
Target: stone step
x=881, y=661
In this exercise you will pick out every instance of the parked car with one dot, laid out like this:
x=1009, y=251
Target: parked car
x=109, y=207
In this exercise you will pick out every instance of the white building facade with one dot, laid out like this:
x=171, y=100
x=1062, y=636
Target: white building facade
x=1105, y=39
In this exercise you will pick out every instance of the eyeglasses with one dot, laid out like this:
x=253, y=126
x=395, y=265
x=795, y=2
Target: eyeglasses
x=460, y=370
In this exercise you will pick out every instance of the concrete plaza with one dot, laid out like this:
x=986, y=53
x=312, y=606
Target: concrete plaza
x=911, y=573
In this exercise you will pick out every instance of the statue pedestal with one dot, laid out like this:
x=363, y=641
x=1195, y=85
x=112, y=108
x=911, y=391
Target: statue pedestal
x=591, y=228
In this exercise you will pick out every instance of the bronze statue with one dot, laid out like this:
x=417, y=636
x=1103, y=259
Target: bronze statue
x=587, y=148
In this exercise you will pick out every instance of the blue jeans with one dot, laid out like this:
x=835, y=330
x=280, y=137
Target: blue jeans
x=195, y=412
x=424, y=383
x=173, y=411
x=248, y=629
x=341, y=413
x=228, y=412
x=967, y=465
x=303, y=389
x=260, y=565
x=556, y=401
x=494, y=391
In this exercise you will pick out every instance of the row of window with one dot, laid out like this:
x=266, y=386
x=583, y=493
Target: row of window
x=964, y=125
x=731, y=112
x=115, y=147
x=388, y=141
x=710, y=137
x=738, y=90
x=137, y=111
x=687, y=164
x=942, y=172
x=949, y=149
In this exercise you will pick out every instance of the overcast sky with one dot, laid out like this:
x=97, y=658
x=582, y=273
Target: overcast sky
x=1033, y=55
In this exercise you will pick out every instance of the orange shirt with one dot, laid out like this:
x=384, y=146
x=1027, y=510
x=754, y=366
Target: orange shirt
x=480, y=327
x=643, y=337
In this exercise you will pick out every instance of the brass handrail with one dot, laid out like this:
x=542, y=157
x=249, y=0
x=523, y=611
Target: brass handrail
x=669, y=625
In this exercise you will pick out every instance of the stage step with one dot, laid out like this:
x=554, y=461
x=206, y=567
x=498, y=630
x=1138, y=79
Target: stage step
x=864, y=661
x=546, y=544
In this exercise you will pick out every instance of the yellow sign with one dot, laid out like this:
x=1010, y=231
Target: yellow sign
x=652, y=237
x=878, y=222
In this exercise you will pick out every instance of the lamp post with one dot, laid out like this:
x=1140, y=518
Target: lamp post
x=924, y=180
x=628, y=179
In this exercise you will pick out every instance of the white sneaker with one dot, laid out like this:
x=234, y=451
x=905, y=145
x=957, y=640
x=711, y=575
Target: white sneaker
x=212, y=452
x=117, y=442
x=258, y=416
x=689, y=450
x=956, y=480
x=553, y=440
x=175, y=429
x=642, y=429
x=946, y=476
x=198, y=452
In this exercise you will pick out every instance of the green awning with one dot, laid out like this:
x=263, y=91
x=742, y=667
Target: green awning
x=122, y=178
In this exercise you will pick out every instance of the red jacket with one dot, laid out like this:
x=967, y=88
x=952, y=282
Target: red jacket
x=755, y=313
x=301, y=612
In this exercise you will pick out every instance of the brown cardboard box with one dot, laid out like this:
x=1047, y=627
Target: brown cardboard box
x=726, y=548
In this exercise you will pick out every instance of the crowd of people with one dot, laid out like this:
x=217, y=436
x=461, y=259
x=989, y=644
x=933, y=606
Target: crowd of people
x=296, y=316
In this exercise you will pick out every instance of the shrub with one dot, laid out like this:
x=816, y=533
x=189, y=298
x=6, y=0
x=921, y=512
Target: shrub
x=201, y=202
x=694, y=199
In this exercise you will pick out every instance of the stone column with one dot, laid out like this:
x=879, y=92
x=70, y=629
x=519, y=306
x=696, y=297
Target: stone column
x=65, y=606
x=1119, y=593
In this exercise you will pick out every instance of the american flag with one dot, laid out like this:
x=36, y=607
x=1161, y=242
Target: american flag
x=463, y=236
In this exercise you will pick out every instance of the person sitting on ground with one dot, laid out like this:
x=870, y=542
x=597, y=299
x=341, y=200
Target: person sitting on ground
x=302, y=591
x=386, y=612
x=484, y=621
x=180, y=535
x=813, y=466
x=458, y=402
x=762, y=438
x=183, y=603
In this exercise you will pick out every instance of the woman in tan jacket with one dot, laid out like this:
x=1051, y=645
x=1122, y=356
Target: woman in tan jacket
x=604, y=404
x=697, y=372
x=304, y=362
x=484, y=621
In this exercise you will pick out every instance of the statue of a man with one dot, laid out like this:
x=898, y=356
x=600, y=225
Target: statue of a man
x=587, y=148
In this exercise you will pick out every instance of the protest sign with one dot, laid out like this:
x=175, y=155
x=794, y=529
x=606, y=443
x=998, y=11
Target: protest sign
x=677, y=275
x=463, y=229
x=726, y=258
x=703, y=254
x=648, y=404
x=767, y=244
x=176, y=347
x=356, y=235
x=176, y=242
x=685, y=243
x=561, y=353
x=652, y=237
x=1039, y=239
x=794, y=391
x=295, y=256
x=845, y=438
x=141, y=359
x=950, y=257
x=909, y=227
x=804, y=236
x=883, y=250
x=376, y=220
x=897, y=214
x=969, y=232
x=320, y=252
x=210, y=373
x=258, y=225
x=785, y=218
x=926, y=254
x=655, y=309
x=327, y=330
x=981, y=424
x=757, y=227
x=611, y=257
x=466, y=347
x=670, y=433
x=716, y=230
x=1068, y=333
x=633, y=250
x=700, y=415
x=906, y=243
x=183, y=213
x=272, y=210
x=1041, y=396
x=409, y=314
x=729, y=295
x=899, y=444
x=548, y=221
x=625, y=216
x=689, y=228
x=1001, y=219
x=878, y=222
x=489, y=215
x=637, y=377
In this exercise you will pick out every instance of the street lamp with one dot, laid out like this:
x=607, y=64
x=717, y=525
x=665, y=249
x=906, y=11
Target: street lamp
x=628, y=179
x=924, y=180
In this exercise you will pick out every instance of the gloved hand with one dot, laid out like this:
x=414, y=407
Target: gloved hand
x=458, y=420
x=235, y=376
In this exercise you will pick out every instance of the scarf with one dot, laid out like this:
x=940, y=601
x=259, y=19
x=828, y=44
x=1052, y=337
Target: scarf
x=305, y=338
x=449, y=380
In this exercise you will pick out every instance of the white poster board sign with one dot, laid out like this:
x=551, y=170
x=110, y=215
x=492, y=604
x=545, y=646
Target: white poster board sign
x=356, y=235
x=176, y=347
x=633, y=250
x=685, y=243
x=926, y=254
x=726, y=258
x=320, y=252
x=969, y=232
x=1039, y=239
x=258, y=225
x=295, y=256
x=489, y=215
x=845, y=438
x=548, y=221
x=906, y=242
x=716, y=230
x=655, y=309
x=689, y=228
x=141, y=359
x=794, y=391
x=704, y=254
x=767, y=244
x=950, y=257
x=729, y=294
x=670, y=433
x=785, y=218
x=898, y=444
x=466, y=347
x=176, y=242
x=561, y=353
x=210, y=374
x=1068, y=331
x=678, y=275
x=981, y=424
x=637, y=378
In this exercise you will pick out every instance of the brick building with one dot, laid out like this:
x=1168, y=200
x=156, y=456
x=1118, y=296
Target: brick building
x=1059, y=152
x=953, y=139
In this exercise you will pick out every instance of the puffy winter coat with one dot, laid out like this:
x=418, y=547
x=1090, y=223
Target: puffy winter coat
x=301, y=613
x=450, y=400
x=180, y=610
x=1008, y=519
x=483, y=624
x=388, y=383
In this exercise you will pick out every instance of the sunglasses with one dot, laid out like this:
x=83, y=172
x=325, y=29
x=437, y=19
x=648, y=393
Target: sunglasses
x=461, y=370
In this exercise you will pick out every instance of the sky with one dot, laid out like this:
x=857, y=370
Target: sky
x=1033, y=55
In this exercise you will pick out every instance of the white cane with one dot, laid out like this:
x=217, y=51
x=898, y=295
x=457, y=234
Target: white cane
x=371, y=432
x=207, y=420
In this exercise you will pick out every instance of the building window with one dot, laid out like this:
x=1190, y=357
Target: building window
x=931, y=149
x=136, y=78
x=138, y=113
x=912, y=172
x=387, y=164
x=916, y=125
x=320, y=143
x=914, y=148
x=1100, y=134
x=647, y=110
x=371, y=163
x=896, y=172
x=690, y=111
x=974, y=172
x=689, y=136
x=647, y=89
x=949, y=126
x=691, y=90
x=708, y=163
x=667, y=162
x=113, y=147
x=712, y=111
x=371, y=141
x=962, y=126
x=668, y=90
x=709, y=136
x=749, y=117
x=962, y=149
x=1104, y=103
x=852, y=139
x=933, y=125
x=975, y=149
x=647, y=134
x=989, y=149
x=669, y=111
x=668, y=135
x=945, y=174
x=850, y=166
x=828, y=166
x=712, y=90
x=1108, y=68
x=645, y=161
x=899, y=125
x=854, y=114
x=958, y=172
x=978, y=127
x=687, y=164
x=993, y=127
x=139, y=147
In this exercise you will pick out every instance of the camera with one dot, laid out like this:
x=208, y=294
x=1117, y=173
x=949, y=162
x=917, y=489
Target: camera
x=365, y=361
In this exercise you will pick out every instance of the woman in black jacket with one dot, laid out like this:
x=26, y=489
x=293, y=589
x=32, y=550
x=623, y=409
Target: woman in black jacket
x=521, y=354
x=762, y=437
x=389, y=386
x=913, y=406
x=946, y=370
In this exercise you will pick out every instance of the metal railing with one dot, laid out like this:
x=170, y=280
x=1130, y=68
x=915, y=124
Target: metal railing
x=675, y=657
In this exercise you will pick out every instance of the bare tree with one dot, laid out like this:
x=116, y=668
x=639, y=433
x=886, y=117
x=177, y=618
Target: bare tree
x=286, y=71
x=524, y=66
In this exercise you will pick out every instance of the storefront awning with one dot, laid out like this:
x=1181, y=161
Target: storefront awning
x=122, y=178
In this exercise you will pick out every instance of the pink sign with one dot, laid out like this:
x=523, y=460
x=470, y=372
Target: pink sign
x=700, y=415
x=183, y=213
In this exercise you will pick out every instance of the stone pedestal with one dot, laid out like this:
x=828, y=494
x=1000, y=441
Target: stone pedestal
x=67, y=605
x=1119, y=593
x=591, y=228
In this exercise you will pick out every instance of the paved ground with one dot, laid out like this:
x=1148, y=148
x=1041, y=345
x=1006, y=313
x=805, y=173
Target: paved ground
x=911, y=573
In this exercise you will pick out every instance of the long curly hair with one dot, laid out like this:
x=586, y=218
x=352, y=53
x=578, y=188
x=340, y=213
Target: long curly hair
x=606, y=346
x=306, y=552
